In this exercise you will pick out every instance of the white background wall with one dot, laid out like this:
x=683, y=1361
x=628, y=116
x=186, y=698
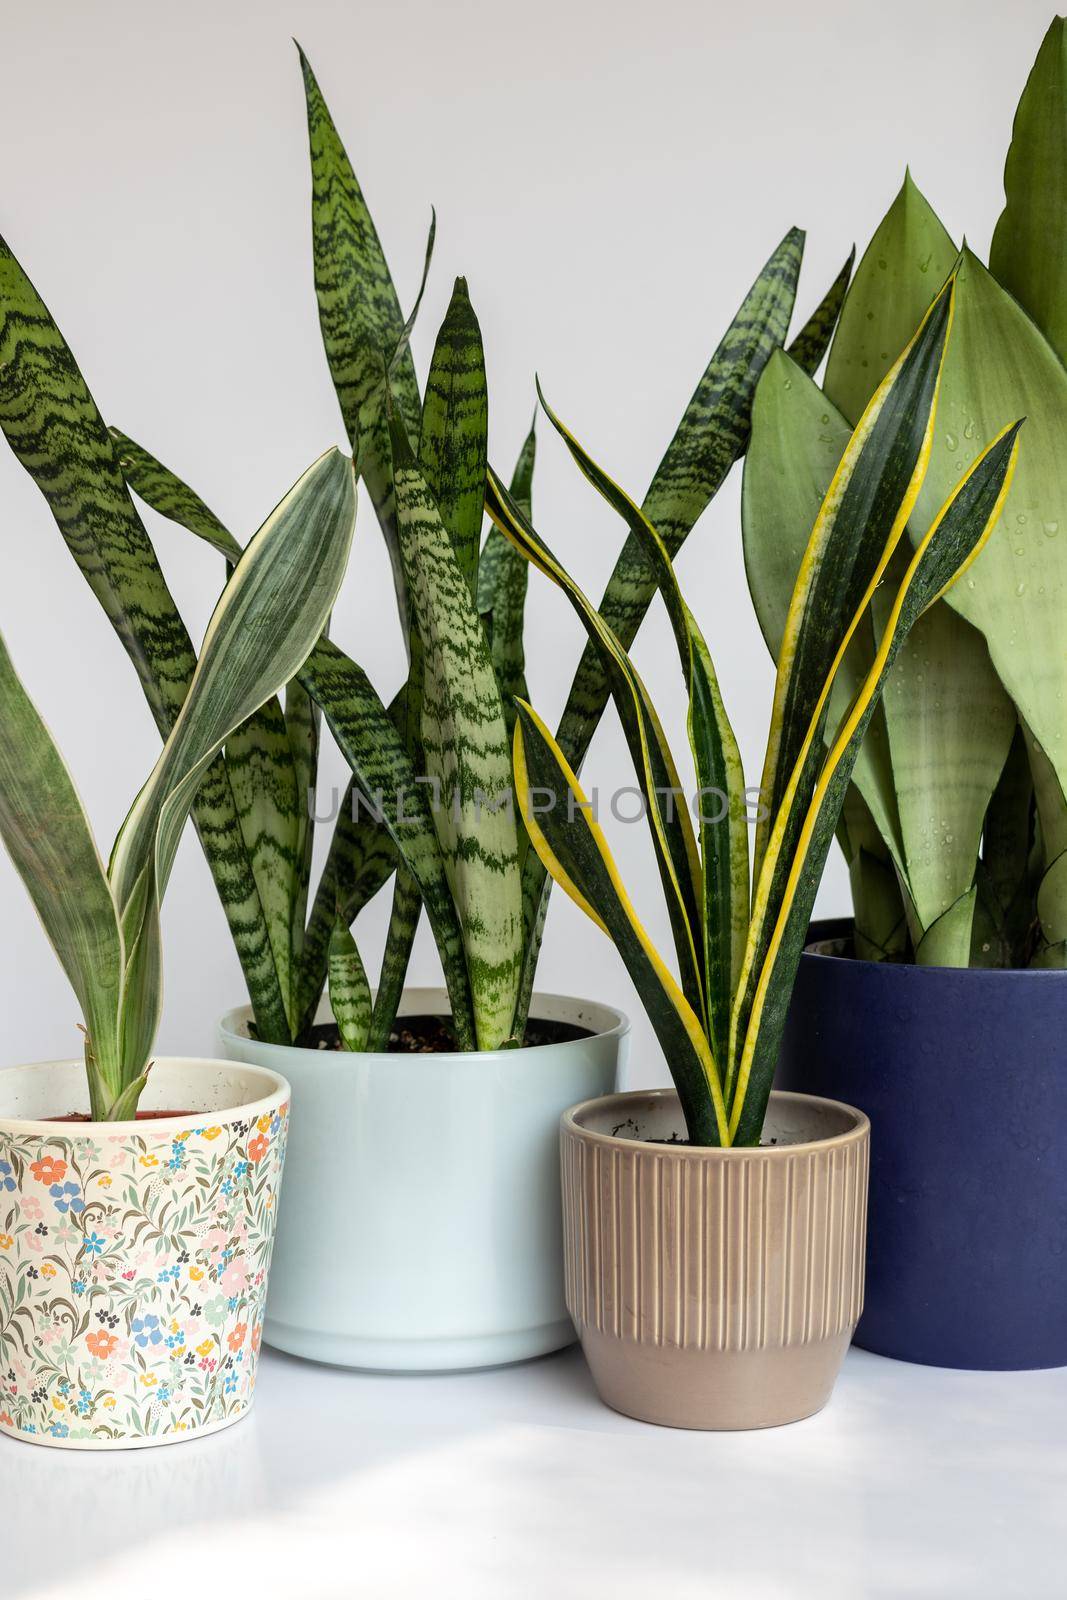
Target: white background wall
x=609, y=176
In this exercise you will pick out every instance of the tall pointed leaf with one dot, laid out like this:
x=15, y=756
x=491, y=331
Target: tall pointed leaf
x=502, y=581
x=671, y=830
x=271, y=611
x=954, y=540
x=465, y=745
x=856, y=530
x=54, y=428
x=813, y=340
x=722, y=914
x=570, y=843
x=373, y=747
x=1025, y=256
x=455, y=420
x=48, y=837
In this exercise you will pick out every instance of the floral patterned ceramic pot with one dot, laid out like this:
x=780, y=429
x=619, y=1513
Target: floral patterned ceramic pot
x=134, y=1255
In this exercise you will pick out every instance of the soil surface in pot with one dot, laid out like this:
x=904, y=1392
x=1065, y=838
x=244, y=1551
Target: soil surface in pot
x=142, y=1116
x=430, y=1035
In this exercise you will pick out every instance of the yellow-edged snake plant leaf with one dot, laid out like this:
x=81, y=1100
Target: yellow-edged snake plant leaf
x=723, y=806
x=569, y=842
x=856, y=530
x=945, y=721
x=952, y=543
x=464, y=740
x=1026, y=256
x=55, y=430
x=798, y=439
x=710, y=437
x=674, y=842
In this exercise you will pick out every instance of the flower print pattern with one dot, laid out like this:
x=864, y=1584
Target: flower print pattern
x=132, y=1299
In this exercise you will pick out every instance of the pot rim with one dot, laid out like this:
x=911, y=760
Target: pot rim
x=276, y=1093
x=856, y=1134
x=231, y=1023
x=843, y=927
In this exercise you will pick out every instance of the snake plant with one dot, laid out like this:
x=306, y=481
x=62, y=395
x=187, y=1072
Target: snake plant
x=422, y=459
x=738, y=938
x=955, y=827
x=104, y=923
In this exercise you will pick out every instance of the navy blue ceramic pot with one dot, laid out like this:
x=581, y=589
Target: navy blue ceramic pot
x=963, y=1075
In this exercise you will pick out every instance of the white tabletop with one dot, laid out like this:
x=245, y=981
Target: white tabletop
x=519, y=1483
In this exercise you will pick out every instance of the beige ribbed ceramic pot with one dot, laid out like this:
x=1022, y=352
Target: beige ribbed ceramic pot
x=714, y=1288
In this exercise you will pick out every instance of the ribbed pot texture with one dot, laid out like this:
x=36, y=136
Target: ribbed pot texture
x=714, y=1288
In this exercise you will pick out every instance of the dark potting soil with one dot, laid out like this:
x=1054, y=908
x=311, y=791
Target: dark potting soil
x=142, y=1116
x=431, y=1036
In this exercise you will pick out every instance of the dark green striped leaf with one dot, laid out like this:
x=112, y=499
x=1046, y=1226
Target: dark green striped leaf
x=813, y=340
x=56, y=431
x=455, y=421
x=502, y=580
x=464, y=741
x=349, y=990
x=373, y=747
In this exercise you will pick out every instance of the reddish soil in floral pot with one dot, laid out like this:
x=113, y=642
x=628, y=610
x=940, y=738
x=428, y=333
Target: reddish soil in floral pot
x=134, y=1255
x=713, y=1288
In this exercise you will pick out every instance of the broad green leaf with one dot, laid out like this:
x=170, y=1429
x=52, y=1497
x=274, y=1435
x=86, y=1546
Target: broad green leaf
x=48, y=837
x=813, y=340
x=502, y=580
x=1026, y=255
x=54, y=428
x=269, y=616
x=999, y=367
x=903, y=268
x=267, y=759
x=711, y=436
x=1009, y=871
x=572, y=847
x=946, y=940
x=455, y=420
x=722, y=909
x=374, y=749
x=947, y=550
x=671, y=830
x=949, y=727
x=350, y=999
